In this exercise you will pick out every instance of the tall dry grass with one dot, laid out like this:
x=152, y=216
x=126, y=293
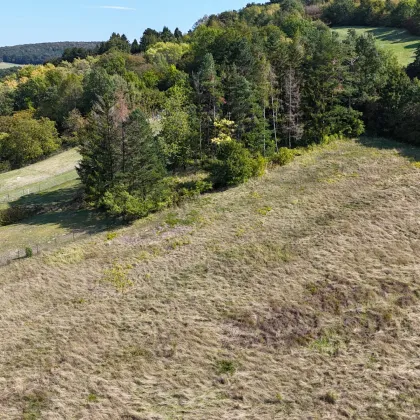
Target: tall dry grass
x=294, y=296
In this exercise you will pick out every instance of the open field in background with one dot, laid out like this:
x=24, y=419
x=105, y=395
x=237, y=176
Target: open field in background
x=8, y=65
x=397, y=40
x=53, y=186
x=61, y=216
x=40, y=176
x=293, y=296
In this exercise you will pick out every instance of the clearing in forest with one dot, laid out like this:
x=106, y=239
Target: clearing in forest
x=397, y=40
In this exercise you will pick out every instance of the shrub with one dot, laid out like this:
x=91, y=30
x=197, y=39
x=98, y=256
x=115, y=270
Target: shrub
x=118, y=276
x=5, y=166
x=226, y=366
x=111, y=235
x=15, y=214
x=283, y=156
x=259, y=166
x=92, y=398
x=234, y=165
x=118, y=202
x=330, y=397
x=28, y=252
x=190, y=190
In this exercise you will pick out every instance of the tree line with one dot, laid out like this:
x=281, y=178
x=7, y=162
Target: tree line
x=399, y=14
x=240, y=90
x=40, y=53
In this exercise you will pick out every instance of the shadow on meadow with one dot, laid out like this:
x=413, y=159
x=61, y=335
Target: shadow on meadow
x=393, y=35
x=63, y=207
x=406, y=150
x=413, y=46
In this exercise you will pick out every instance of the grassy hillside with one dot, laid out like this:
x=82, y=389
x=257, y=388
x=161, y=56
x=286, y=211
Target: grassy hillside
x=53, y=186
x=39, y=176
x=293, y=296
x=397, y=40
x=7, y=65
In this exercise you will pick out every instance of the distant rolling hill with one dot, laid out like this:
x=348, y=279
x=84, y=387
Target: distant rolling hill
x=39, y=53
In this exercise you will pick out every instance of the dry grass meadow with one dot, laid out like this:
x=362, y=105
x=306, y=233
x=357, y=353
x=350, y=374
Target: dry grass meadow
x=296, y=296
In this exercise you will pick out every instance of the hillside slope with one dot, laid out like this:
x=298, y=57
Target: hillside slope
x=293, y=296
x=39, y=176
x=397, y=40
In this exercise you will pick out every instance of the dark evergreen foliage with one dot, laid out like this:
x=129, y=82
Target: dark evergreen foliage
x=40, y=53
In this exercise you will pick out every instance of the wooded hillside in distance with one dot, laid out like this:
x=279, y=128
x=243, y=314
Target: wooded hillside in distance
x=39, y=53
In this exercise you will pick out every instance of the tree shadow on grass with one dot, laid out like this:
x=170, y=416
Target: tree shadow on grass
x=412, y=46
x=392, y=35
x=407, y=150
x=64, y=207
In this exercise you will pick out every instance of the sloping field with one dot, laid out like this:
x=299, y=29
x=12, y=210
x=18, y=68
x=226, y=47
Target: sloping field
x=7, y=65
x=397, y=40
x=295, y=296
x=40, y=176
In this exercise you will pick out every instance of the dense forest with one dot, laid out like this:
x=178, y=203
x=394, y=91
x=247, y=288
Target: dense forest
x=40, y=53
x=242, y=90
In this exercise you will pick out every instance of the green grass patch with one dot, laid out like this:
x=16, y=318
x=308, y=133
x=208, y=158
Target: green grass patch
x=118, y=276
x=396, y=40
x=226, y=366
x=41, y=176
x=4, y=66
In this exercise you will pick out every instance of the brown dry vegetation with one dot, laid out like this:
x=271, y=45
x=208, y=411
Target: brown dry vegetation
x=294, y=296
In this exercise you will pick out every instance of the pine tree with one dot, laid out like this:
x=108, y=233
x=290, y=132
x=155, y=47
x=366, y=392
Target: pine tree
x=101, y=151
x=144, y=168
x=178, y=34
x=135, y=47
x=208, y=90
x=140, y=189
x=240, y=99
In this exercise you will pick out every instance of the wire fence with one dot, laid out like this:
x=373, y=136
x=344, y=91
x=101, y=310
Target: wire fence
x=35, y=249
x=38, y=187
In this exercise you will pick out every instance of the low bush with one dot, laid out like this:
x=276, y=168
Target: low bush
x=235, y=165
x=15, y=214
x=283, y=156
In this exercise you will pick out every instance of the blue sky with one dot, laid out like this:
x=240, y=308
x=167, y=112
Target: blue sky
x=30, y=21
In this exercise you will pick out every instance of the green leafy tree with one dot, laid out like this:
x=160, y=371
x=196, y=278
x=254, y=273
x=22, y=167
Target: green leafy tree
x=27, y=140
x=177, y=132
x=97, y=84
x=234, y=163
x=170, y=52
